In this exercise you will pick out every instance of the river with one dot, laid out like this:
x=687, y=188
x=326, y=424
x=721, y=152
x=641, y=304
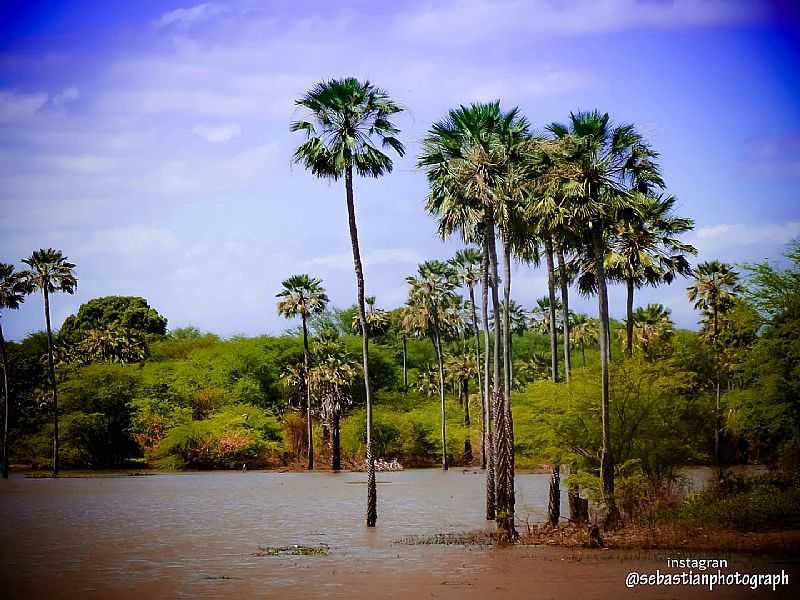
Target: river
x=189, y=535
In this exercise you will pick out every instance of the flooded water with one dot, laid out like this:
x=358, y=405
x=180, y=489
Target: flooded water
x=192, y=534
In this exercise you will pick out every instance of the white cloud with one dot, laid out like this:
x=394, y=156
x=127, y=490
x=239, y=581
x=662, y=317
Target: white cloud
x=217, y=133
x=187, y=17
x=17, y=106
x=715, y=237
x=385, y=256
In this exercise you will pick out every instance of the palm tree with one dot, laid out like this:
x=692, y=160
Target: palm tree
x=12, y=293
x=378, y=321
x=50, y=272
x=434, y=311
x=332, y=377
x=346, y=116
x=713, y=292
x=460, y=368
x=467, y=263
x=646, y=251
x=595, y=165
x=582, y=333
x=303, y=296
x=652, y=326
x=467, y=157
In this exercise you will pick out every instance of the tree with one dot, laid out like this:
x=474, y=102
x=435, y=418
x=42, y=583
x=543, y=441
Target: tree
x=346, y=116
x=645, y=250
x=433, y=311
x=378, y=321
x=130, y=313
x=652, y=328
x=467, y=263
x=469, y=159
x=583, y=333
x=713, y=292
x=13, y=290
x=332, y=377
x=51, y=272
x=303, y=296
x=594, y=166
x=460, y=368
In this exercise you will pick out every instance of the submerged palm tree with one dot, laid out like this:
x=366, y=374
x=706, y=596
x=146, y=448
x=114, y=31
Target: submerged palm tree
x=303, y=296
x=12, y=293
x=713, y=292
x=51, y=272
x=346, y=118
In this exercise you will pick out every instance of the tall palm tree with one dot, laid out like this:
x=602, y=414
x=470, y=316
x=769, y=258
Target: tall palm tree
x=50, y=272
x=346, y=119
x=434, y=311
x=303, y=296
x=467, y=263
x=595, y=165
x=468, y=158
x=645, y=250
x=13, y=290
x=713, y=292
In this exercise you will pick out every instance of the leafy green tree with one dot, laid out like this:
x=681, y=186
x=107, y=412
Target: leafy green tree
x=346, y=115
x=129, y=313
x=432, y=311
x=303, y=296
x=714, y=292
x=51, y=272
x=12, y=293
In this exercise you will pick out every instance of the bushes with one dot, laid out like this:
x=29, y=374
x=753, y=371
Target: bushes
x=745, y=505
x=234, y=435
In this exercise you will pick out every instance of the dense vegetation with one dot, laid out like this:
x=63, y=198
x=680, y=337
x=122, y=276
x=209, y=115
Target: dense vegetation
x=586, y=200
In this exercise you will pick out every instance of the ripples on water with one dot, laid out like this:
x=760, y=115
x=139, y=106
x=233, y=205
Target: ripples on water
x=197, y=527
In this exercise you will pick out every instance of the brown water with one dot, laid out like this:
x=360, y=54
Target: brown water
x=195, y=534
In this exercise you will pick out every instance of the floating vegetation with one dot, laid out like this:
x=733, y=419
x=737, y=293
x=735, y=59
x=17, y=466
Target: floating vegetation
x=296, y=550
x=471, y=538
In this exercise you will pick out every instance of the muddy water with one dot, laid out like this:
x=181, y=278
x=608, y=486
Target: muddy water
x=195, y=535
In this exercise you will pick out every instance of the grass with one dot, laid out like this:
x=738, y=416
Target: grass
x=296, y=550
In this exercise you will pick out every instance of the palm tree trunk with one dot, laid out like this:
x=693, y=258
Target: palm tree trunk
x=405, y=368
x=6, y=403
x=508, y=422
x=372, y=492
x=51, y=365
x=467, y=459
x=478, y=371
x=487, y=446
x=307, y=371
x=437, y=344
x=629, y=316
x=583, y=354
x=336, y=450
x=607, y=461
x=551, y=293
x=565, y=308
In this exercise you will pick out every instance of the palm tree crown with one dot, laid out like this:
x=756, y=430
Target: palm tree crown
x=715, y=287
x=301, y=296
x=345, y=116
x=50, y=271
x=13, y=287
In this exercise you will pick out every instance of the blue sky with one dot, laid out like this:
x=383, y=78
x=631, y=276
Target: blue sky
x=149, y=140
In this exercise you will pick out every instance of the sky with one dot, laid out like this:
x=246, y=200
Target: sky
x=149, y=141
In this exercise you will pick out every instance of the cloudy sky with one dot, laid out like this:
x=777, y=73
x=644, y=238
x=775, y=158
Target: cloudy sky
x=149, y=140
